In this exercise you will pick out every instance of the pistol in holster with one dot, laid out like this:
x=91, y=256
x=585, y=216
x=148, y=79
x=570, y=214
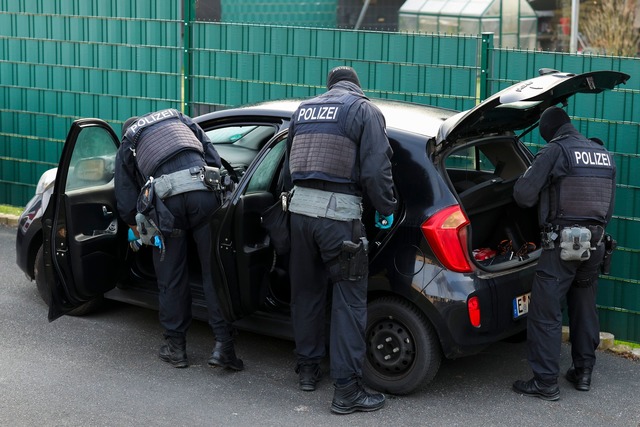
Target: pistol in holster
x=548, y=235
x=354, y=260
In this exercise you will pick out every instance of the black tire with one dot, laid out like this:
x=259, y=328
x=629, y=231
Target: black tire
x=403, y=350
x=45, y=292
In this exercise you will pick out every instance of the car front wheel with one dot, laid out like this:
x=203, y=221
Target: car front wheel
x=45, y=292
x=403, y=351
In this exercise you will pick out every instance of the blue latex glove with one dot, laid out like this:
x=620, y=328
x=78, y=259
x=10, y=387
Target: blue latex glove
x=131, y=236
x=134, y=243
x=383, y=222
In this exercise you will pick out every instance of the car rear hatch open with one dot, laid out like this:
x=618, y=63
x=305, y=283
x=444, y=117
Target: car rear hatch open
x=520, y=105
x=482, y=158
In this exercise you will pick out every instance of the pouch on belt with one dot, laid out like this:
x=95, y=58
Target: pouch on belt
x=575, y=243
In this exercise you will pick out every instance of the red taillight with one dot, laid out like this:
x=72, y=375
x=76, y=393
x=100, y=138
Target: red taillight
x=446, y=232
x=473, y=306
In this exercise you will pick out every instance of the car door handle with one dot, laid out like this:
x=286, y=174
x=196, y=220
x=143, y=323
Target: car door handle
x=111, y=229
x=106, y=212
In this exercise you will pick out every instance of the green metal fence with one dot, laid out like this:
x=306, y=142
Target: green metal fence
x=63, y=60
x=319, y=13
x=78, y=58
x=238, y=63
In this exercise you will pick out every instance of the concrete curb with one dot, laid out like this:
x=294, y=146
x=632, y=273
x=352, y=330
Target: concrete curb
x=607, y=344
x=9, y=220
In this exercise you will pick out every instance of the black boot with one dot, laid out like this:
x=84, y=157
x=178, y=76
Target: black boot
x=309, y=375
x=353, y=397
x=536, y=388
x=174, y=351
x=580, y=377
x=224, y=355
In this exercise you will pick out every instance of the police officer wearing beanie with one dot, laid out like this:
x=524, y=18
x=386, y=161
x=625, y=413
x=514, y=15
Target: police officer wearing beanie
x=170, y=148
x=572, y=180
x=337, y=151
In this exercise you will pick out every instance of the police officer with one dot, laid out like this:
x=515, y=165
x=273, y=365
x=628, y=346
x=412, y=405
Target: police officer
x=166, y=154
x=572, y=179
x=337, y=149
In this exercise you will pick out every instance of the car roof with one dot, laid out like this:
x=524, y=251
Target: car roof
x=406, y=116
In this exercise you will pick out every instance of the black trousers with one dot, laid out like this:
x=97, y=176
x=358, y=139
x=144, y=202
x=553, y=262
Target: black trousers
x=555, y=281
x=191, y=211
x=315, y=242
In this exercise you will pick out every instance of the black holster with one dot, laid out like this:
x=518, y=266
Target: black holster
x=609, y=246
x=354, y=260
x=548, y=235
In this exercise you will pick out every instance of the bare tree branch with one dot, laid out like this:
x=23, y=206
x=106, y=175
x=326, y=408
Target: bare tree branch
x=609, y=25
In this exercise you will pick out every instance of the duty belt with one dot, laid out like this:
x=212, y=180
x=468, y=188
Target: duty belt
x=193, y=179
x=325, y=204
x=549, y=233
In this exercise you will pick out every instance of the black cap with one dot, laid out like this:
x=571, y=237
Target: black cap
x=551, y=120
x=342, y=73
x=126, y=125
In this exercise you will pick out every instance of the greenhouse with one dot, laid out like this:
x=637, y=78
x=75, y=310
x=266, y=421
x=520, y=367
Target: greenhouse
x=513, y=22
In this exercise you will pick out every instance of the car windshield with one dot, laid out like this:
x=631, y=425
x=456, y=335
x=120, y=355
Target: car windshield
x=247, y=136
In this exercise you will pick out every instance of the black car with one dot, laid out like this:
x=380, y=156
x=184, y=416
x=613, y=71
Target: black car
x=451, y=276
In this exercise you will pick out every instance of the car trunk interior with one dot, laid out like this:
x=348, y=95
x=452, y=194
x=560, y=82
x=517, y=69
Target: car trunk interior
x=483, y=175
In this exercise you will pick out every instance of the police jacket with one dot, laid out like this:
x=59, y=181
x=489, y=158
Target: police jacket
x=337, y=142
x=159, y=143
x=572, y=178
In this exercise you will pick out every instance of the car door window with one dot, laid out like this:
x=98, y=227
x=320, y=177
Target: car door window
x=470, y=158
x=92, y=160
x=263, y=177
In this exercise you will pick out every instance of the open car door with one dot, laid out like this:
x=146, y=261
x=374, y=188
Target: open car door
x=243, y=253
x=80, y=224
x=249, y=276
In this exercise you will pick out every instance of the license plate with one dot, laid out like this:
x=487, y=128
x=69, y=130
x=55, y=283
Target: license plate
x=521, y=305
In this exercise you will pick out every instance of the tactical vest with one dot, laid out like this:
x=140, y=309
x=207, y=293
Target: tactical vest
x=321, y=149
x=585, y=193
x=156, y=138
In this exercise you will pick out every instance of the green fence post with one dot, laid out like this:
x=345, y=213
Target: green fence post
x=487, y=45
x=189, y=7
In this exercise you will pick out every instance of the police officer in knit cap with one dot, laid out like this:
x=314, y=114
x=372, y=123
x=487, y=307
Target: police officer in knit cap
x=337, y=150
x=572, y=180
x=163, y=194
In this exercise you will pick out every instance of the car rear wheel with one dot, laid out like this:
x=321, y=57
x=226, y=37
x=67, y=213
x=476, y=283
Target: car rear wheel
x=45, y=292
x=403, y=351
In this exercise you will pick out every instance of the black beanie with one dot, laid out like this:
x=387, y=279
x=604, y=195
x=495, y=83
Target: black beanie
x=341, y=73
x=126, y=125
x=551, y=120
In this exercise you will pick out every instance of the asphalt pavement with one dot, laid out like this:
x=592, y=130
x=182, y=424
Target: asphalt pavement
x=103, y=370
